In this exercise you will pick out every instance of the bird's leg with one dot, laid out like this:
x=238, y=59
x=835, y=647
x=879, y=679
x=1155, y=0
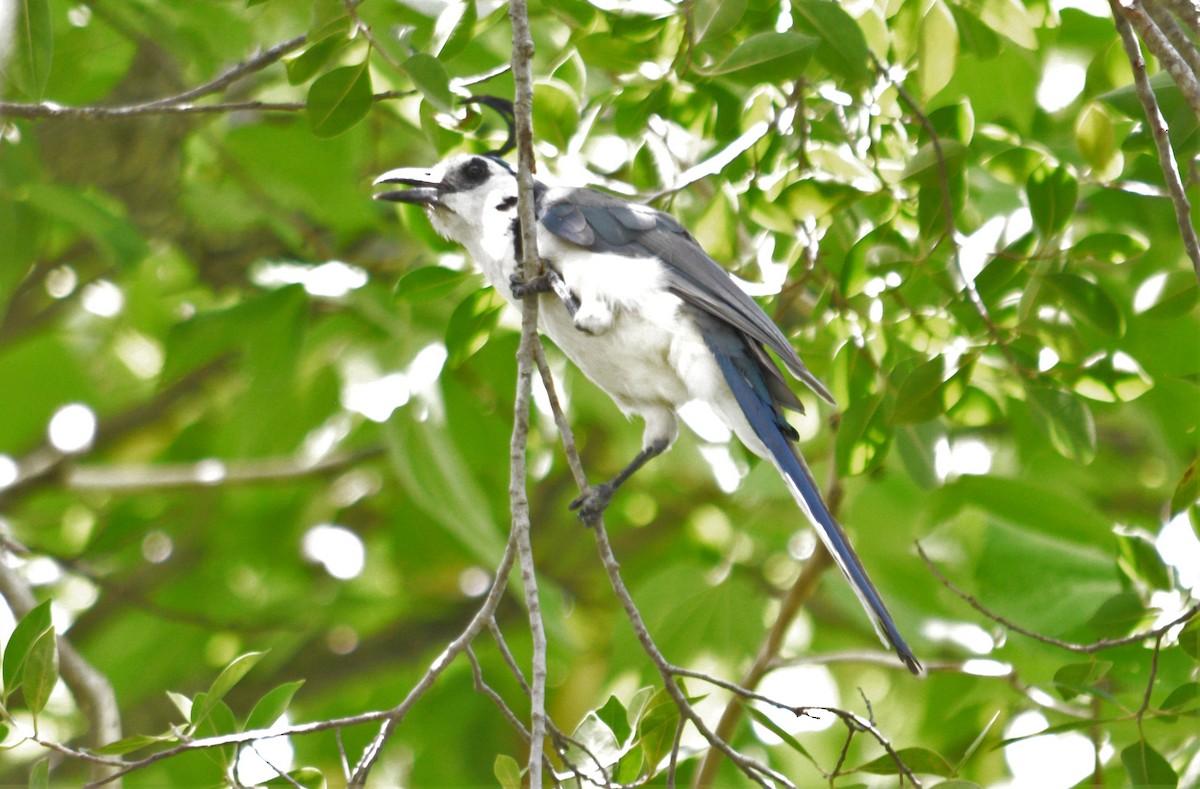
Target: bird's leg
x=550, y=282
x=592, y=503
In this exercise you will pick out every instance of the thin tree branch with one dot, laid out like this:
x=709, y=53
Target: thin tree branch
x=1158, y=130
x=1163, y=45
x=801, y=591
x=392, y=717
x=1083, y=649
x=529, y=265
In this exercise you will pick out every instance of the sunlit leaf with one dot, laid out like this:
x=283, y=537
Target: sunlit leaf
x=766, y=57
x=919, y=396
x=507, y=771
x=41, y=671
x=842, y=48
x=271, y=706
x=132, y=743
x=229, y=676
x=656, y=727
x=32, y=626
x=1187, y=490
x=938, y=49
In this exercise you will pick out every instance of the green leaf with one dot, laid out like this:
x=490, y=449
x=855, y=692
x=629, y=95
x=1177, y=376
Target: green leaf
x=33, y=48
x=1183, y=700
x=937, y=49
x=1067, y=420
x=1187, y=490
x=712, y=19
x=339, y=99
x=1111, y=248
x=1096, y=136
x=863, y=437
x=766, y=57
x=1052, y=195
x=656, y=727
x=507, y=771
x=1087, y=300
x=305, y=66
x=766, y=722
x=229, y=676
x=39, y=775
x=41, y=672
x=1141, y=560
x=1146, y=766
x=463, y=31
x=429, y=283
x=1075, y=679
x=616, y=717
x=306, y=777
x=920, y=395
x=1189, y=639
x=16, y=652
x=1176, y=295
x=133, y=743
x=272, y=705
x=471, y=323
x=430, y=78
x=919, y=760
x=842, y=48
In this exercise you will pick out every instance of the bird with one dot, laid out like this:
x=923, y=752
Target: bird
x=631, y=298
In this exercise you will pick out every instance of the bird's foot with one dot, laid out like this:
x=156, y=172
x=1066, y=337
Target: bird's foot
x=591, y=504
x=521, y=287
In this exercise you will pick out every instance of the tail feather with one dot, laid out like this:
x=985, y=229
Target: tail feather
x=750, y=389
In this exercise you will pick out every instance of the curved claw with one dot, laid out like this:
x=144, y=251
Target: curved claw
x=591, y=504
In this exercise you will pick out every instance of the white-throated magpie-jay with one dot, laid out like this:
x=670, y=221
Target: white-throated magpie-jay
x=632, y=299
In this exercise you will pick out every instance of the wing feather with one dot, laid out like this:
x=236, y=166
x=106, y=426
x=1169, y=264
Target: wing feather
x=608, y=224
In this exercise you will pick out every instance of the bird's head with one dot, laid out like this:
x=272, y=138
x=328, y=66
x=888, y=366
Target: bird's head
x=460, y=193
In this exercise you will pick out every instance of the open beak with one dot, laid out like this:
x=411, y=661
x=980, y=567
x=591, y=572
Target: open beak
x=425, y=188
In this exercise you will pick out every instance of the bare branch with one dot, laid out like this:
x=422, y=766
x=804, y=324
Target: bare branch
x=1163, y=44
x=1158, y=130
x=393, y=716
x=529, y=265
x=1084, y=649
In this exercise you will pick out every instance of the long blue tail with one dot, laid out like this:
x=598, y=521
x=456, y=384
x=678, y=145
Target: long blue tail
x=749, y=387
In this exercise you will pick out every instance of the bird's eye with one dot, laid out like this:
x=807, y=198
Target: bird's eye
x=475, y=171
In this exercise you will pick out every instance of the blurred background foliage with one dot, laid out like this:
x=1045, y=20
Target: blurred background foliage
x=245, y=408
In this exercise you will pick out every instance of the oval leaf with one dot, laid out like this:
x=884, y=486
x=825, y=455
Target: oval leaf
x=1147, y=767
x=272, y=706
x=429, y=77
x=304, y=67
x=1067, y=420
x=339, y=99
x=428, y=283
x=920, y=395
x=229, y=676
x=1052, y=195
x=33, y=50
x=16, y=651
x=843, y=47
x=766, y=57
x=1087, y=300
x=41, y=671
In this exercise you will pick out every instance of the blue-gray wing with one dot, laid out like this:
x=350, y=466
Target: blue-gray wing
x=607, y=224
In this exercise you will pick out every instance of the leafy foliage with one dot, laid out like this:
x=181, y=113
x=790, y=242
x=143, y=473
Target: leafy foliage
x=985, y=271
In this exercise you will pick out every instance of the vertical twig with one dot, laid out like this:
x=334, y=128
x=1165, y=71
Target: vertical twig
x=1158, y=130
x=529, y=266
